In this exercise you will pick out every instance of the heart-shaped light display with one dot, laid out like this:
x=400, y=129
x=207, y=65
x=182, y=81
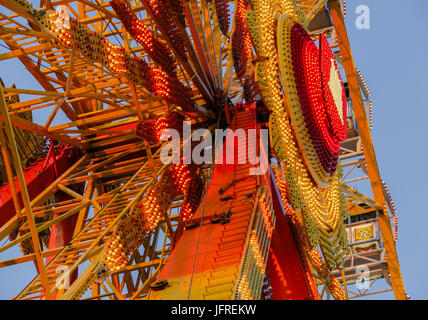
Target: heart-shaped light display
x=318, y=112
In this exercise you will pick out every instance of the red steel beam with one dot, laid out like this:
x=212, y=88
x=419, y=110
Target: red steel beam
x=38, y=177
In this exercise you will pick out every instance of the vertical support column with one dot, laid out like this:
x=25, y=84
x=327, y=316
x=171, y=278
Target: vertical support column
x=24, y=193
x=61, y=235
x=363, y=127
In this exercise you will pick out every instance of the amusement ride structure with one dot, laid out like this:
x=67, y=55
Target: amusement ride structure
x=85, y=193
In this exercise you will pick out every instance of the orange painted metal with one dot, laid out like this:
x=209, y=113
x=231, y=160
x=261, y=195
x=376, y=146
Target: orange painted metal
x=209, y=248
x=62, y=233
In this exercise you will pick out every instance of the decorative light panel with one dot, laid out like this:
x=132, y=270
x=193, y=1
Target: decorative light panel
x=304, y=135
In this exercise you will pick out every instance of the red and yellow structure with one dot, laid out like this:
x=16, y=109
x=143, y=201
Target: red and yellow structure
x=102, y=217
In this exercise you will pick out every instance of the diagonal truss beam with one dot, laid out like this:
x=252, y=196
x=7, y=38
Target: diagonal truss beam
x=24, y=192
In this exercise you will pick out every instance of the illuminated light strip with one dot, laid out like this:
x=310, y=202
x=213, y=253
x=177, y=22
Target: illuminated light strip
x=254, y=266
x=371, y=114
x=267, y=293
x=316, y=258
x=389, y=198
x=333, y=91
x=363, y=83
x=367, y=94
x=131, y=231
x=304, y=246
x=344, y=8
x=159, y=9
x=304, y=194
x=310, y=140
x=261, y=22
x=153, y=130
x=222, y=10
x=156, y=50
x=305, y=63
x=337, y=93
x=251, y=91
x=336, y=288
x=267, y=217
x=97, y=48
x=312, y=285
x=243, y=289
x=257, y=251
x=392, y=208
x=241, y=41
x=395, y=228
x=332, y=283
x=291, y=101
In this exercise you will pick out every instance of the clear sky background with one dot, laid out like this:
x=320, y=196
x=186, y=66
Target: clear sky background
x=393, y=58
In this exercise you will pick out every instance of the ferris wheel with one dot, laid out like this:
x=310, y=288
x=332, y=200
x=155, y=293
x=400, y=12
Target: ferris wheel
x=111, y=182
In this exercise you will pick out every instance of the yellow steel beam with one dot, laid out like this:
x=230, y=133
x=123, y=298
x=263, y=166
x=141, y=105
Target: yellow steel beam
x=96, y=243
x=8, y=227
x=369, y=153
x=18, y=9
x=83, y=214
x=29, y=257
x=315, y=8
x=141, y=265
x=24, y=192
x=360, y=197
x=78, y=196
x=345, y=287
x=45, y=225
x=38, y=129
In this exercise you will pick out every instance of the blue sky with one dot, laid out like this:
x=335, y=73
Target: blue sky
x=392, y=56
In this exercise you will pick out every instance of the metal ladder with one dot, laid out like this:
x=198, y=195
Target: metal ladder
x=230, y=249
